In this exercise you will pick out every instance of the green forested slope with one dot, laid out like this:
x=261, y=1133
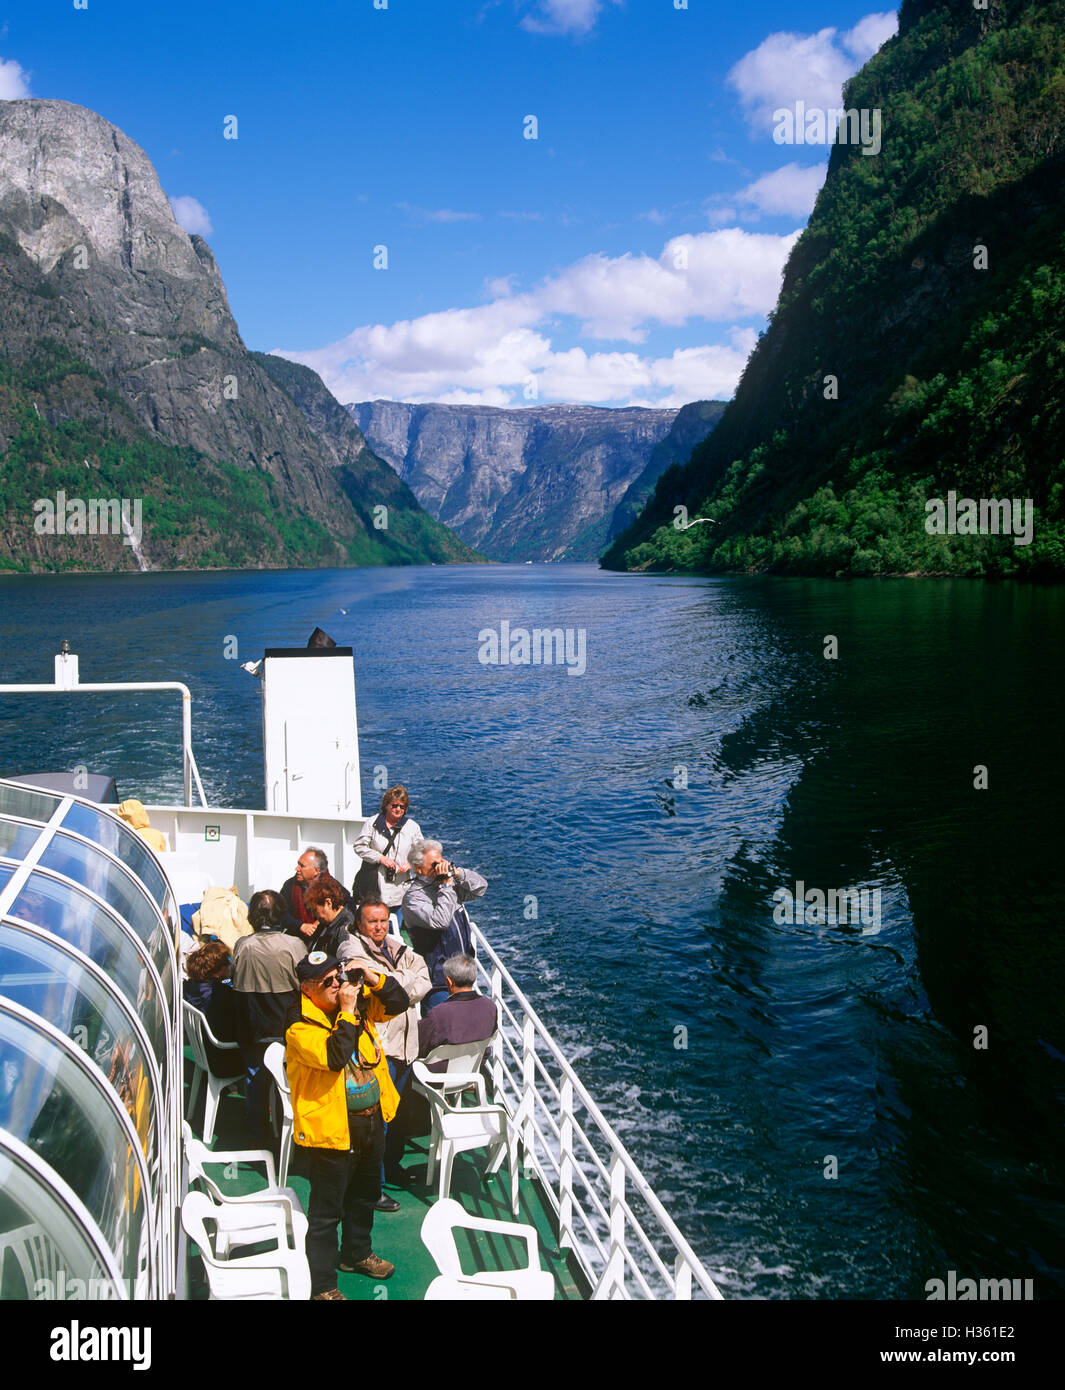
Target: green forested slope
x=949, y=376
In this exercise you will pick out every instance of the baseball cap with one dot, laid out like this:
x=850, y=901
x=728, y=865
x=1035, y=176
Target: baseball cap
x=314, y=966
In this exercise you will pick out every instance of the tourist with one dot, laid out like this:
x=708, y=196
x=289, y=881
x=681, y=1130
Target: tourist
x=268, y=991
x=433, y=914
x=208, y=990
x=464, y=1017
x=399, y=1035
x=383, y=845
x=342, y=1094
x=310, y=866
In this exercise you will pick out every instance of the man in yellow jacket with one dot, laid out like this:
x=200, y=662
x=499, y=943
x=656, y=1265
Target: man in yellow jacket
x=342, y=1097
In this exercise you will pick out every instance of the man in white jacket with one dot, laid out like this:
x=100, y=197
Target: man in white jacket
x=398, y=1035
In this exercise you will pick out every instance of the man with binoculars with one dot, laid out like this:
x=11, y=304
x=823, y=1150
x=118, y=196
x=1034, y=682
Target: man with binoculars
x=434, y=916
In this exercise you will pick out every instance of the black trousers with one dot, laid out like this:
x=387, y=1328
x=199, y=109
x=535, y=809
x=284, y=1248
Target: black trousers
x=345, y=1186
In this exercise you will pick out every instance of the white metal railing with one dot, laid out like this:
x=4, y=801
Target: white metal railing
x=621, y=1235
x=67, y=682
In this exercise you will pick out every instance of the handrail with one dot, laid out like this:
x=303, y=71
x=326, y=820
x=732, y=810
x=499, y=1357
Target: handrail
x=611, y=1183
x=70, y=685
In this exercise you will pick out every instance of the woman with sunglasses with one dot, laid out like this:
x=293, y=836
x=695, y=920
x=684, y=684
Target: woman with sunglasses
x=383, y=846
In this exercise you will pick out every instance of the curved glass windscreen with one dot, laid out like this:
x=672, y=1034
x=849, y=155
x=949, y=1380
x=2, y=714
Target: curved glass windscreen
x=123, y=842
x=45, y=980
x=90, y=1056
x=58, y=1110
x=45, y=1253
x=74, y=917
x=102, y=876
x=27, y=805
x=16, y=839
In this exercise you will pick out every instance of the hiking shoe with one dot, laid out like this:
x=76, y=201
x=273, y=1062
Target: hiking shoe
x=331, y=1294
x=386, y=1203
x=373, y=1267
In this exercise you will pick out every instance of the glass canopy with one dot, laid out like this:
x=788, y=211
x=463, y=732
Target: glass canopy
x=90, y=1055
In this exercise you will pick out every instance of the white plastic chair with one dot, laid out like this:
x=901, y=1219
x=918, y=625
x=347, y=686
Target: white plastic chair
x=198, y=1034
x=438, y=1237
x=274, y=1062
x=463, y=1063
x=458, y=1128
x=38, y=1257
x=234, y=1227
x=277, y=1274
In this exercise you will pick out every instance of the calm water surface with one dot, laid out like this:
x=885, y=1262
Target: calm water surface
x=805, y=1043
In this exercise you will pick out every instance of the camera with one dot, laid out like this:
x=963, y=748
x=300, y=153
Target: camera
x=351, y=977
x=441, y=872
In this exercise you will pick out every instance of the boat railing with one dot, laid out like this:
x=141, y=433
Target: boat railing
x=68, y=682
x=621, y=1236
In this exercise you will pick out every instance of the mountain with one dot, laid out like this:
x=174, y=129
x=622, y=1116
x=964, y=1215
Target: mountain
x=540, y=483
x=692, y=425
x=123, y=374
x=366, y=480
x=916, y=349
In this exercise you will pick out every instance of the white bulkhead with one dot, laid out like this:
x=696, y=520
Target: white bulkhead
x=310, y=738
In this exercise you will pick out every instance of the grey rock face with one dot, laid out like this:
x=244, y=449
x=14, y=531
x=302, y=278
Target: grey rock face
x=693, y=423
x=123, y=288
x=534, y=484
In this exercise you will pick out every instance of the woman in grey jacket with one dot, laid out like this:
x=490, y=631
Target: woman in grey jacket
x=385, y=840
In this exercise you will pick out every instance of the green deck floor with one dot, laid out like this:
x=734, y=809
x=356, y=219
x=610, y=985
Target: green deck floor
x=396, y=1235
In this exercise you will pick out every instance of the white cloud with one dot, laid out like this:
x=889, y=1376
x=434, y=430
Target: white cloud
x=14, y=80
x=439, y=214
x=789, y=191
x=870, y=34
x=787, y=67
x=489, y=354
x=711, y=275
x=563, y=16
x=191, y=215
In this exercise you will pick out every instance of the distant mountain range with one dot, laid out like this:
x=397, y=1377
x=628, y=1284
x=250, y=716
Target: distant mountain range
x=123, y=375
x=541, y=483
x=913, y=372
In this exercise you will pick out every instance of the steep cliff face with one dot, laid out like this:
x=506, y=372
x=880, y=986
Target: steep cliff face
x=917, y=347
x=533, y=484
x=115, y=330
x=692, y=425
x=367, y=481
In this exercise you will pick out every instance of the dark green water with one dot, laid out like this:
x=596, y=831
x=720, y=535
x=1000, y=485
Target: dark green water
x=804, y=1042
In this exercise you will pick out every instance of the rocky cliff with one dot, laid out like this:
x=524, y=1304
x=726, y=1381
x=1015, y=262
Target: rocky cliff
x=915, y=363
x=120, y=360
x=535, y=484
x=692, y=425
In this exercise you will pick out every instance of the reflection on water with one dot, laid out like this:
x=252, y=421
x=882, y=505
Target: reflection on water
x=835, y=1125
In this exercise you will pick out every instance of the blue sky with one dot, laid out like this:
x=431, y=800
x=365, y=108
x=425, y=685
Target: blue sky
x=627, y=255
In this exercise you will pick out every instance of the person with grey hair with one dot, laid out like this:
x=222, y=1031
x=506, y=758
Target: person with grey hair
x=434, y=915
x=465, y=1016
x=310, y=867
